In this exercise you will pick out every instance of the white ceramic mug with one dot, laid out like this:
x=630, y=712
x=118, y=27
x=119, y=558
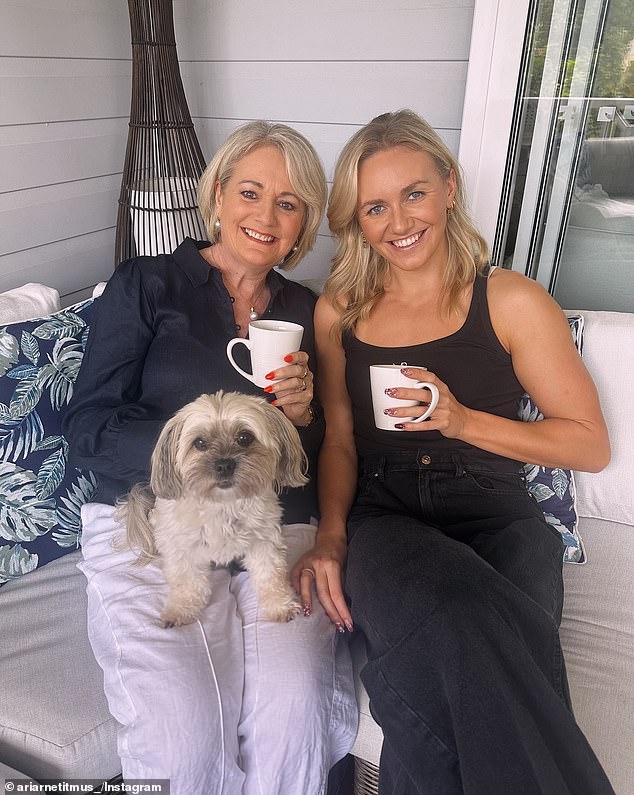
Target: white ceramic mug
x=269, y=342
x=388, y=376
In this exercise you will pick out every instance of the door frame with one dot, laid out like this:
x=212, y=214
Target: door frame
x=491, y=110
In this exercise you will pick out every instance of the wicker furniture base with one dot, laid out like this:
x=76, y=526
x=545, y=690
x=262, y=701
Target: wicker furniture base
x=366, y=778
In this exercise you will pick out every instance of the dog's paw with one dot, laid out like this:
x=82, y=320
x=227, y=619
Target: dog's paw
x=281, y=611
x=177, y=617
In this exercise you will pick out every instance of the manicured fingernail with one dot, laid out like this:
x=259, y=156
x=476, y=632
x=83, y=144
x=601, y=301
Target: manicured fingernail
x=388, y=411
x=399, y=425
x=270, y=376
x=268, y=388
x=274, y=403
x=339, y=626
x=349, y=626
x=390, y=391
x=307, y=609
x=288, y=358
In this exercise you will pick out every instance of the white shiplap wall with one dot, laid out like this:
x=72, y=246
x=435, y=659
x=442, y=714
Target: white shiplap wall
x=65, y=87
x=326, y=68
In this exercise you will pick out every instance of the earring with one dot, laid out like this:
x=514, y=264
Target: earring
x=364, y=241
x=450, y=209
x=288, y=256
x=217, y=228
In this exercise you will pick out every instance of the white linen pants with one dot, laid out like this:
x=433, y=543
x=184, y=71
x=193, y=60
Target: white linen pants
x=232, y=704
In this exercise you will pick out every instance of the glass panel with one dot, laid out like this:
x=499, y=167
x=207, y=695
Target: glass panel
x=571, y=219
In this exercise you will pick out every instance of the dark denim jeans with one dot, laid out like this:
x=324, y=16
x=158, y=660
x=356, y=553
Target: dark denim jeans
x=454, y=577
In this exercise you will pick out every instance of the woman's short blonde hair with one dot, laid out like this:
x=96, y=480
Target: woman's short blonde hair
x=305, y=172
x=358, y=272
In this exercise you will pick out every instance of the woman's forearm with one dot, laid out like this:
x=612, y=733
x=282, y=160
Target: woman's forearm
x=337, y=487
x=553, y=442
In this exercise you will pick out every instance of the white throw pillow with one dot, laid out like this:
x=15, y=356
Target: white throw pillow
x=29, y=301
x=608, y=348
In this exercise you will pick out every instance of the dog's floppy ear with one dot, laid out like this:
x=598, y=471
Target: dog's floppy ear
x=291, y=461
x=164, y=478
x=133, y=512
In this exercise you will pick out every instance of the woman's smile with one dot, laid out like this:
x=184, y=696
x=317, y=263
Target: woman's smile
x=259, y=236
x=408, y=242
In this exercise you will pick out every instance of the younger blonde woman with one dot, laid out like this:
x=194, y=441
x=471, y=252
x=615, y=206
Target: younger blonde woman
x=453, y=575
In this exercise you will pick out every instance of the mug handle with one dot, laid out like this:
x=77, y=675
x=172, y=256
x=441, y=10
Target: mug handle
x=230, y=345
x=434, y=399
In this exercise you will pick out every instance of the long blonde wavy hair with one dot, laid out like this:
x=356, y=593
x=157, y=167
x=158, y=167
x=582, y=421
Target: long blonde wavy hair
x=358, y=272
x=304, y=168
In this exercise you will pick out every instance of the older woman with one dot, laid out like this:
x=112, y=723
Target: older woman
x=232, y=703
x=453, y=574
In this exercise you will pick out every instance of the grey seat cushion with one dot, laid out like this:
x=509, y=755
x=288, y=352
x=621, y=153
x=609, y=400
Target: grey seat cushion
x=54, y=720
x=597, y=635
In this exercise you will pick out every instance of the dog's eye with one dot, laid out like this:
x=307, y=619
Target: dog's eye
x=244, y=439
x=200, y=444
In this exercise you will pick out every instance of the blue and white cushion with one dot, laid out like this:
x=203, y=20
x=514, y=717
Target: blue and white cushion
x=40, y=495
x=553, y=487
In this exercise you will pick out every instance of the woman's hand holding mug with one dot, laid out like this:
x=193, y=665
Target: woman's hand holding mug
x=278, y=366
x=384, y=379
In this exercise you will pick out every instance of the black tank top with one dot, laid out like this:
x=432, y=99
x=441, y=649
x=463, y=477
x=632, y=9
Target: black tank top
x=473, y=364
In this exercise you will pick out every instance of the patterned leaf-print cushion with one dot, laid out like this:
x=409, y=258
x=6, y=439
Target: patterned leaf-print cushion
x=40, y=495
x=554, y=488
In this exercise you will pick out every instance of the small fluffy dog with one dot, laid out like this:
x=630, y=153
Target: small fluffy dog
x=212, y=500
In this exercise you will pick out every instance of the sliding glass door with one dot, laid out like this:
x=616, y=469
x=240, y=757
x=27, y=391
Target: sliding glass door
x=565, y=209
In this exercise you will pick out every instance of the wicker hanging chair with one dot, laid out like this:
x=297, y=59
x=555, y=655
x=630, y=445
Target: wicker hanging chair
x=163, y=161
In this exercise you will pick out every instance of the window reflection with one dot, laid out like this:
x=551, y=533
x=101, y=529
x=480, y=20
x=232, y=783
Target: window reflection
x=571, y=215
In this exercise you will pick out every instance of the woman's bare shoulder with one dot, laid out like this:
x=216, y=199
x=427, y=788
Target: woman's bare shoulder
x=520, y=306
x=330, y=307
x=512, y=285
x=509, y=291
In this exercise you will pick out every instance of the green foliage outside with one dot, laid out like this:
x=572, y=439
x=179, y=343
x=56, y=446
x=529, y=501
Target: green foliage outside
x=614, y=76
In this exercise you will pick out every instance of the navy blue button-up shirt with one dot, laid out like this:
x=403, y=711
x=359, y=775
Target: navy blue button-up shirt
x=158, y=340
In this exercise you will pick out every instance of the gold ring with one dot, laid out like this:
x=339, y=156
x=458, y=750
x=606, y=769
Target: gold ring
x=303, y=389
x=309, y=571
x=305, y=373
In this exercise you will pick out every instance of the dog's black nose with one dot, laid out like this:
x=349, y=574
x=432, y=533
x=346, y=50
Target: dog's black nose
x=224, y=467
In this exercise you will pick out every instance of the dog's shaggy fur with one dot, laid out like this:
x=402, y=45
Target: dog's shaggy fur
x=212, y=500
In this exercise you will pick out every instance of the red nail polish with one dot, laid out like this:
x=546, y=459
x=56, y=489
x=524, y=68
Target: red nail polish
x=307, y=610
x=399, y=425
x=270, y=376
x=268, y=388
x=288, y=358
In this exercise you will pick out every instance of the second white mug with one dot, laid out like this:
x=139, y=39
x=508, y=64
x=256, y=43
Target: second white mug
x=386, y=376
x=269, y=342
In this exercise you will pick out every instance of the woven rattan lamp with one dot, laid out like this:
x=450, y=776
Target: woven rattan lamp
x=163, y=161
